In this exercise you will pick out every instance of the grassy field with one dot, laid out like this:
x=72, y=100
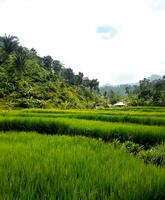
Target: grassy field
x=54, y=165
x=36, y=166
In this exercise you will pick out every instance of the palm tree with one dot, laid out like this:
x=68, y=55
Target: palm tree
x=20, y=58
x=9, y=44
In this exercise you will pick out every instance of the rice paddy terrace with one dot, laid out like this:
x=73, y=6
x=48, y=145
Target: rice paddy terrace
x=83, y=154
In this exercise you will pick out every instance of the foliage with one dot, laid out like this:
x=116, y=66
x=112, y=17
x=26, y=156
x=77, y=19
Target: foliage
x=132, y=147
x=28, y=80
x=155, y=155
x=20, y=58
x=148, y=93
x=8, y=45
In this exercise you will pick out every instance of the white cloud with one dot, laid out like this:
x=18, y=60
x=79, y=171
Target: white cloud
x=155, y=4
x=67, y=31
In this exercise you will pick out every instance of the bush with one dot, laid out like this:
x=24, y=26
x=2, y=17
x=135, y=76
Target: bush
x=155, y=155
x=29, y=103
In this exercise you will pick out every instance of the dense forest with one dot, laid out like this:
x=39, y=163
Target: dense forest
x=147, y=92
x=28, y=80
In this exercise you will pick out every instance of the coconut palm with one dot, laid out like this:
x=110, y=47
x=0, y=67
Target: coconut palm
x=9, y=44
x=20, y=58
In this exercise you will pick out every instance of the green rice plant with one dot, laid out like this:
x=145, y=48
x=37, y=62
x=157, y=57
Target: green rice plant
x=115, y=118
x=159, y=112
x=41, y=167
x=126, y=118
x=107, y=131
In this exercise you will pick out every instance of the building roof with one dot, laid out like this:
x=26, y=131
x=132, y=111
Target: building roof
x=119, y=104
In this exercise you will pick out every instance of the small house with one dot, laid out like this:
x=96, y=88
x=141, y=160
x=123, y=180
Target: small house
x=119, y=104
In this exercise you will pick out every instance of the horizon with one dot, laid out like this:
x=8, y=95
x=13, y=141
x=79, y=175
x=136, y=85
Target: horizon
x=109, y=84
x=117, y=46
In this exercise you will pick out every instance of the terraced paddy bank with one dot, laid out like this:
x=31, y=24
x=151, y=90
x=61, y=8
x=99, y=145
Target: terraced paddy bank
x=109, y=117
x=54, y=165
x=123, y=116
x=34, y=166
x=120, y=111
x=98, y=129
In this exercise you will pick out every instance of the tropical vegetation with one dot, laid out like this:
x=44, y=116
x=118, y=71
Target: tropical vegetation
x=29, y=80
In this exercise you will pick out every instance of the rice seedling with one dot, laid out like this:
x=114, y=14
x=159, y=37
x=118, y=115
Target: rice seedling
x=111, y=117
x=45, y=167
x=107, y=131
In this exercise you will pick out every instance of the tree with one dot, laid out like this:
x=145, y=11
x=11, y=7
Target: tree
x=68, y=75
x=9, y=45
x=20, y=58
x=57, y=67
x=148, y=93
x=79, y=78
x=145, y=91
x=128, y=89
x=105, y=94
x=94, y=85
x=113, y=97
x=47, y=61
x=33, y=51
x=86, y=82
x=159, y=92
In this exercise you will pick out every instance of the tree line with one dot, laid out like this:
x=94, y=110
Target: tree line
x=147, y=92
x=9, y=45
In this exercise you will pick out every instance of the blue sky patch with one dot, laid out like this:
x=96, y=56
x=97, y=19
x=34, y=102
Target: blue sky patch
x=106, y=32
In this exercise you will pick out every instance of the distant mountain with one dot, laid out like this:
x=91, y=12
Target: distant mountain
x=121, y=89
x=154, y=77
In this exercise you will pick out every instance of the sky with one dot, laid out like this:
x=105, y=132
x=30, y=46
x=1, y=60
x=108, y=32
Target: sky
x=115, y=41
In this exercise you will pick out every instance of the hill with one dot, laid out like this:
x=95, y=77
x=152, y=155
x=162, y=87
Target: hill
x=118, y=89
x=28, y=80
x=149, y=91
x=121, y=89
x=154, y=77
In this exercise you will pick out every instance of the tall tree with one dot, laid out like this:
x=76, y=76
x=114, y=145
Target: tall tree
x=113, y=97
x=57, y=67
x=94, y=85
x=86, y=82
x=69, y=75
x=20, y=58
x=159, y=92
x=145, y=90
x=9, y=44
x=128, y=89
x=47, y=61
x=79, y=78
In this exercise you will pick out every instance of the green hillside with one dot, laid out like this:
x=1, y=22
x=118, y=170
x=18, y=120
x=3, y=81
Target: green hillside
x=28, y=80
